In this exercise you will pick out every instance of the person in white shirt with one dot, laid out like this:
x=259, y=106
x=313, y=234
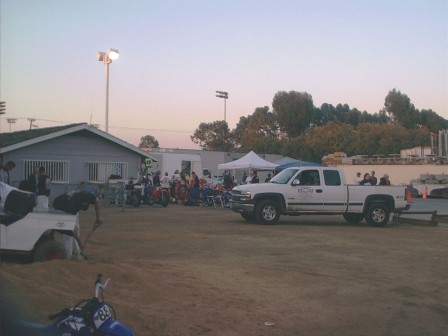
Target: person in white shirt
x=165, y=181
x=358, y=178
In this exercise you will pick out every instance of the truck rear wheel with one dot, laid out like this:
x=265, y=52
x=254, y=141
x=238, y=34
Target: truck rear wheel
x=353, y=218
x=377, y=214
x=267, y=212
x=49, y=250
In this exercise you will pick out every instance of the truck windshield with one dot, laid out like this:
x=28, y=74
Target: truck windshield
x=284, y=176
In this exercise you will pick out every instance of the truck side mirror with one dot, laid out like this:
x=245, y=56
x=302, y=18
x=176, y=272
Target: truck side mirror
x=296, y=182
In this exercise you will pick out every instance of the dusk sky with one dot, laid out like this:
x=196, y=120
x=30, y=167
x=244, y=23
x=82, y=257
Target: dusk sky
x=174, y=55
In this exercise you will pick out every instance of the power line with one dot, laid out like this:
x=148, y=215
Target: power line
x=116, y=127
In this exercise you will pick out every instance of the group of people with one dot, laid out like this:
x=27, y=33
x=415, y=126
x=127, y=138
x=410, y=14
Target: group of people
x=251, y=178
x=165, y=181
x=39, y=183
x=371, y=179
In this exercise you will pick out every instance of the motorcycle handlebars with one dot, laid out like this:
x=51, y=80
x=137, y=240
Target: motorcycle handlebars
x=99, y=285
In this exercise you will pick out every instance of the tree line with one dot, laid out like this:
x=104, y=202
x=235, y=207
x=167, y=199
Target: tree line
x=296, y=128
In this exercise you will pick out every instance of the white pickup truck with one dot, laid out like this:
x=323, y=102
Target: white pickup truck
x=316, y=190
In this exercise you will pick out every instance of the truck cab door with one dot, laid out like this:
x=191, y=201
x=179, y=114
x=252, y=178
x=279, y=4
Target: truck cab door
x=305, y=192
x=334, y=191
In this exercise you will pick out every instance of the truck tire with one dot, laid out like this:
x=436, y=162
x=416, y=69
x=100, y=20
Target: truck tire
x=248, y=217
x=353, y=218
x=377, y=214
x=267, y=212
x=49, y=250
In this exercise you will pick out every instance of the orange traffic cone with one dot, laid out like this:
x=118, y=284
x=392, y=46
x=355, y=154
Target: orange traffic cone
x=425, y=193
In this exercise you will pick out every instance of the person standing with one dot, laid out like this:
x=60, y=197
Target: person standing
x=255, y=178
x=268, y=178
x=156, y=179
x=195, y=180
x=43, y=190
x=72, y=203
x=386, y=179
x=373, y=179
x=244, y=177
x=165, y=182
x=33, y=180
x=358, y=178
x=5, y=170
x=175, y=176
x=228, y=180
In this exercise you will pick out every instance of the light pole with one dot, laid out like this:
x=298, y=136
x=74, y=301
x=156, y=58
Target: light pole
x=225, y=96
x=2, y=110
x=107, y=58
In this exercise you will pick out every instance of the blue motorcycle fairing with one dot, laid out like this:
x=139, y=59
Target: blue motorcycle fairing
x=114, y=328
x=70, y=326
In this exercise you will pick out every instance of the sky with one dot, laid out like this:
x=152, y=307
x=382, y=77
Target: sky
x=174, y=55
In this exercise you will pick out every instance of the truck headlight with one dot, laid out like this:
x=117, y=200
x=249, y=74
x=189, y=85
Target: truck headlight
x=245, y=195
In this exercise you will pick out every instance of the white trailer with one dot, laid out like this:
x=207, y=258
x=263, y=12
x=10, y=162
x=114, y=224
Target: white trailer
x=170, y=162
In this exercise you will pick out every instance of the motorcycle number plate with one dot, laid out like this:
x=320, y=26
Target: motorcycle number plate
x=101, y=315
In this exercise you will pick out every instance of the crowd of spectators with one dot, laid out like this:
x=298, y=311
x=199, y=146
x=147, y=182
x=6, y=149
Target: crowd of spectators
x=370, y=179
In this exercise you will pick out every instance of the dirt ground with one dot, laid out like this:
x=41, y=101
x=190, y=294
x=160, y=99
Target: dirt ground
x=204, y=271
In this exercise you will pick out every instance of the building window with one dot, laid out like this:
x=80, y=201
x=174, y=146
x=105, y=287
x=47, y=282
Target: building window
x=57, y=170
x=100, y=172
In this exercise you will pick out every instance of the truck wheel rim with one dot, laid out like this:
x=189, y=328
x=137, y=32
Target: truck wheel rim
x=378, y=215
x=269, y=213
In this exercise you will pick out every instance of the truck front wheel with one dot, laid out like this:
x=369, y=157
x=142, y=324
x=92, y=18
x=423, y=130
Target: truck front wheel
x=377, y=214
x=267, y=212
x=49, y=250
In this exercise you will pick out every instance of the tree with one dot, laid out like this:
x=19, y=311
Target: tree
x=294, y=111
x=240, y=130
x=327, y=139
x=258, y=132
x=433, y=121
x=400, y=108
x=148, y=141
x=213, y=136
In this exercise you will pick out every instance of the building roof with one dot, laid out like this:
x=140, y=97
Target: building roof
x=16, y=140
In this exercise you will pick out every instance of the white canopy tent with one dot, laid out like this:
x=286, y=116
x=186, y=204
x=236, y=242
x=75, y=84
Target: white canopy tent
x=249, y=161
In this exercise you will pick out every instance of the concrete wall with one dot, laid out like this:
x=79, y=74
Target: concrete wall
x=399, y=174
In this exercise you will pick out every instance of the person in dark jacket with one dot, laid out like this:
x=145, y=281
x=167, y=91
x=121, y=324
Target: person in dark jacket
x=255, y=178
x=72, y=203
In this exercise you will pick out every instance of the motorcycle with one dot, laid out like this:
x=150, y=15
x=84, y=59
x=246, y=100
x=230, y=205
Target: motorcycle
x=91, y=317
x=158, y=195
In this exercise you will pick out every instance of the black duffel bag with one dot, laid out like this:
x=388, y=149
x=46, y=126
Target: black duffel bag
x=20, y=202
